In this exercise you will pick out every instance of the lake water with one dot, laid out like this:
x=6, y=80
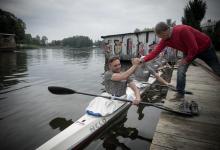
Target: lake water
x=30, y=115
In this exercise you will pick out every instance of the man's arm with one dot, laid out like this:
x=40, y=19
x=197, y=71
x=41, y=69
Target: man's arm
x=126, y=74
x=155, y=52
x=136, y=92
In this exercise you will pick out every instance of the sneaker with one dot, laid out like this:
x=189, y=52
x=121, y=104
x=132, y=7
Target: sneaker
x=177, y=97
x=185, y=107
x=194, y=108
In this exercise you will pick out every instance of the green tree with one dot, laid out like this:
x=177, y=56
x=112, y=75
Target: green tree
x=44, y=40
x=194, y=12
x=77, y=41
x=170, y=23
x=98, y=43
x=36, y=40
x=137, y=30
x=9, y=23
x=28, y=39
x=148, y=29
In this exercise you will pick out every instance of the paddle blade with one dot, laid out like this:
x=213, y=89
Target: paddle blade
x=60, y=90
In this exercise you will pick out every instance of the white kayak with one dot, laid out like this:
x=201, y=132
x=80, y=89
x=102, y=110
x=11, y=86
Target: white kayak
x=88, y=125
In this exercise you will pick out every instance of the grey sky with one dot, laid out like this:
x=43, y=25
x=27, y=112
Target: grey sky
x=58, y=19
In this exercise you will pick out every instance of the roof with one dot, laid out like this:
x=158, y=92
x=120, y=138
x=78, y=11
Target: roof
x=131, y=33
x=6, y=34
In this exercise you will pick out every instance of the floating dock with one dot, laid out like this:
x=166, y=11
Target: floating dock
x=193, y=133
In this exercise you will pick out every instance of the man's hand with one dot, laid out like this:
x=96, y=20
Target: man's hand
x=135, y=61
x=136, y=101
x=142, y=59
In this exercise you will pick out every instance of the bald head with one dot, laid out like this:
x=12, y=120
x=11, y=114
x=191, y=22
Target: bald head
x=161, y=27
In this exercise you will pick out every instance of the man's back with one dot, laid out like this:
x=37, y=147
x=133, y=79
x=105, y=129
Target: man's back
x=185, y=39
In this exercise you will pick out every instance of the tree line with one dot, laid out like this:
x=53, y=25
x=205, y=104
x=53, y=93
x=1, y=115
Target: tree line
x=75, y=41
x=9, y=23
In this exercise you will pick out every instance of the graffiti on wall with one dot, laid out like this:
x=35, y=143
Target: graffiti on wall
x=141, y=49
x=108, y=47
x=117, y=47
x=129, y=46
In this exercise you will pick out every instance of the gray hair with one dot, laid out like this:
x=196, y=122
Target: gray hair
x=160, y=27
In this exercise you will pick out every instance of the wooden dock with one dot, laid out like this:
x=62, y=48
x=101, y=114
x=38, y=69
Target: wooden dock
x=196, y=133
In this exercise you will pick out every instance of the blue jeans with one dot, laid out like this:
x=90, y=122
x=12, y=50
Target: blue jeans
x=208, y=56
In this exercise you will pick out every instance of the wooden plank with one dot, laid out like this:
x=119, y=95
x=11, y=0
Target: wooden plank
x=203, y=87
x=205, y=102
x=168, y=141
x=159, y=147
x=201, y=132
x=181, y=127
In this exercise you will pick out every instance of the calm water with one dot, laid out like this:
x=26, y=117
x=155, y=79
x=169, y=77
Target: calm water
x=30, y=115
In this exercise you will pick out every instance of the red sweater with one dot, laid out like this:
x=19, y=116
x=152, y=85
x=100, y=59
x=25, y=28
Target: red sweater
x=185, y=39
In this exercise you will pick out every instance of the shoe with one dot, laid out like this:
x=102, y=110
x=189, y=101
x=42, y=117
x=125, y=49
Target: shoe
x=194, y=108
x=185, y=107
x=177, y=97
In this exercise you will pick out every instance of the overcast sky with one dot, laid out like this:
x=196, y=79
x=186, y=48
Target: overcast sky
x=58, y=19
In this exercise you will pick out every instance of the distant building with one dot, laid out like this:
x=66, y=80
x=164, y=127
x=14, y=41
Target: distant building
x=208, y=26
x=7, y=42
x=129, y=45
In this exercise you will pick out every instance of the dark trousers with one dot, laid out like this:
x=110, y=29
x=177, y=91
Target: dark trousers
x=208, y=56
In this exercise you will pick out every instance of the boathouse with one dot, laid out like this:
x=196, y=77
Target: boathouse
x=7, y=42
x=129, y=45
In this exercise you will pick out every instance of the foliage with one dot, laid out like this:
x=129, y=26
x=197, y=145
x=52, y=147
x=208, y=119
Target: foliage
x=170, y=23
x=98, y=43
x=28, y=39
x=137, y=30
x=55, y=43
x=77, y=41
x=44, y=40
x=9, y=23
x=148, y=29
x=35, y=40
x=194, y=12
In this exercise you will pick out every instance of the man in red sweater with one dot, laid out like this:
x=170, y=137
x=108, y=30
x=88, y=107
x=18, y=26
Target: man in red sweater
x=193, y=43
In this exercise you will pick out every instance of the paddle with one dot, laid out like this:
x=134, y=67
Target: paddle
x=175, y=90
x=65, y=91
x=165, y=83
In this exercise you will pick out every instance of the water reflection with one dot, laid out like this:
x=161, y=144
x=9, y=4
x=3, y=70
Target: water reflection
x=110, y=135
x=13, y=67
x=60, y=123
x=26, y=104
x=29, y=111
x=114, y=135
x=111, y=139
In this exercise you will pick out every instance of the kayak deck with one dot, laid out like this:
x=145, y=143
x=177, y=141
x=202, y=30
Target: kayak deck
x=87, y=125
